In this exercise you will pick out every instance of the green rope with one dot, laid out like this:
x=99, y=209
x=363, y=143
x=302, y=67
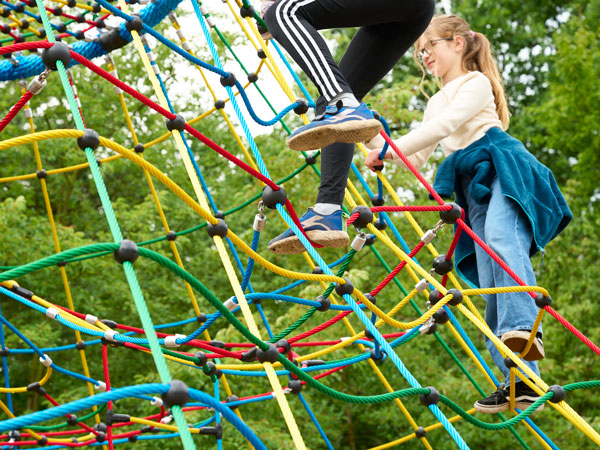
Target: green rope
x=65, y=424
x=142, y=308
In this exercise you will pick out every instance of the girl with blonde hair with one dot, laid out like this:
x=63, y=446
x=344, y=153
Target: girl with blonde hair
x=511, y=200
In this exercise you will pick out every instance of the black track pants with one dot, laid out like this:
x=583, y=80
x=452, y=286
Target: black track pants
x=387, y=29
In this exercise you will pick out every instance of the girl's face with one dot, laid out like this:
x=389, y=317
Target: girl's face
x=442, y=56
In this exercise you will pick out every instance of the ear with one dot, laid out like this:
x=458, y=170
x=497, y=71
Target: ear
x=459, y=44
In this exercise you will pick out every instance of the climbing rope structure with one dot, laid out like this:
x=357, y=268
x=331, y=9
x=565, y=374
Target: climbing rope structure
x=294, y=363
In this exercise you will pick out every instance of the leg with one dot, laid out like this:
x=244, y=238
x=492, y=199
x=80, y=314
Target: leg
x=503, y=311
x=389, y=29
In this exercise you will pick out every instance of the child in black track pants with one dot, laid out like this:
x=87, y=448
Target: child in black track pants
x=387, y=29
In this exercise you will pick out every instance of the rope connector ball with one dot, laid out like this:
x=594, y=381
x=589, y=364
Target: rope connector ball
x=228, y=81
x=270, y=355
x=452, y=215
x=128, y=251
x=325, y=303
x=457, y=297
x=509, y=363
x=432, y=398
x=440, y=316
x=442, y=265
x=380, y=224
x=139, y=148
x=559, y=393
x=89, y=138
x=378, y=359
x=376, y=200
x=247, y=11
x=346, y=288
x=271, y=198
x=219, y=104
x=134, y=24
x=542, y=301
x=178, y=394
x=302, y=107
x=420, y=432
x=218, y=229
x=58, y=52
x=252, y=77
x=177, y=123
x=365, y=216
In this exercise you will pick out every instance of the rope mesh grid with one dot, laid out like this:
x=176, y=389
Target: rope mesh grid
x=238, y=260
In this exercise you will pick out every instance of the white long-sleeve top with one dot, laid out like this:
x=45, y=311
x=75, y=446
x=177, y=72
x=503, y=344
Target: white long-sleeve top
x=455, y=117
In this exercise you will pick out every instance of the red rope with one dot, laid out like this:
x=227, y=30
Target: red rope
x=397, y=269
x=15, y=110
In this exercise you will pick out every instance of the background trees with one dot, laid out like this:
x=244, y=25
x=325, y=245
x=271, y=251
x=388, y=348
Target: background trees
x=548, y=53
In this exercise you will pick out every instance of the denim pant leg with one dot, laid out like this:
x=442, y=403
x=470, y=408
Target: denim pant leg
x=502, y=225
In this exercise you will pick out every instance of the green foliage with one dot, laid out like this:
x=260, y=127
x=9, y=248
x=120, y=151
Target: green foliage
x=553, y=92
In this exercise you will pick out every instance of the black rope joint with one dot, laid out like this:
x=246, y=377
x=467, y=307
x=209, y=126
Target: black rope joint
x=509, y=363
x=171, y=236
x=201, y=359
x=457, y=297
x=365, y=216
x=271, y=197
x=247, y=11
x=542, y=301
x=112, y=417
x=139, y=148
x=270, y=355
x=249, y=356
x=442, y=265
x=325, y=303
x=283, y=343
x=62, y=263
x=134, y=24
x=559, y=393
x=37, y=388
x=432, y=398
x=302, y=107
x=80, y=345
x=217, y=344
x=177, y=123
x=72, y=420
x=4, y=352
x=128, y=251
x=452, y=215
x=380, y=224
x=376, y=200
x=41, y=174
x=216, y=431
x=58, y=52
x=377, y=359
x=178, y=394
x=220, y=104
x=89, y=138
x=440, y=316
x=252, y=77
x=261, y=54
x=201, y=318
x=420, y=432
x=219, y=229
x=346, y=288
x=110, y=40
x=310, y=160
x=295, y=386
x=228, y=81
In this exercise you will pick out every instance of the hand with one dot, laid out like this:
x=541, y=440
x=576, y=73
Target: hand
x=373, y=162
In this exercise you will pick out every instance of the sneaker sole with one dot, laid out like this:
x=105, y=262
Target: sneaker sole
x=524, y=405
x=349, y=132
x=490, y=409
x=514, y=341
x=293, y=246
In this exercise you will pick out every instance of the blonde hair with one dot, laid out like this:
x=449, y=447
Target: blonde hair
x=477, y=55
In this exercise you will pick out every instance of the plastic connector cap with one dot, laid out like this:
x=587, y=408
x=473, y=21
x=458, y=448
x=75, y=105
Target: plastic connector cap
x=171, y=341
x=91, y=319
x=46, y=361
x=52, y=313
x=101, y=386
x=230, y=304
x=109, y=335
x=36, y=85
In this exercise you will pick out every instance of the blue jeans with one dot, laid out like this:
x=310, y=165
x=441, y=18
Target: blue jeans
x=503, y=226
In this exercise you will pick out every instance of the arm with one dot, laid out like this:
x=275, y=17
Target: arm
x=419, y=144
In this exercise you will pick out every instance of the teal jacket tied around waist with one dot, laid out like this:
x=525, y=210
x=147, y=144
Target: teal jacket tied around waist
x=521, y=176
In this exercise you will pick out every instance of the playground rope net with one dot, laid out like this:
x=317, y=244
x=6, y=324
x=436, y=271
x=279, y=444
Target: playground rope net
x=295, y=363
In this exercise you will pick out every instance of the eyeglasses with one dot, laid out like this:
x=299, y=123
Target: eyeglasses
x=426, y=51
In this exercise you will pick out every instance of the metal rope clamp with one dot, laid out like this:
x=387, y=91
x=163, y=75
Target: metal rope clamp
x=39, y=83
x=260, y=218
